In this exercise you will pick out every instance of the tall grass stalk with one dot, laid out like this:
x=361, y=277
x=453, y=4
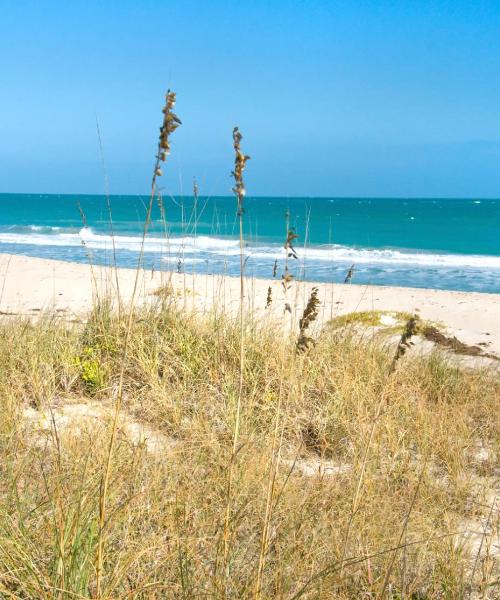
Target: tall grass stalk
x=239, y=190
x=170, y=123
x=277, y=438
x=402, y=535
x=88, y=253
x=271, y=486
x=110, y=213
x=195, y=227
x=481, y=544
x=359, y=484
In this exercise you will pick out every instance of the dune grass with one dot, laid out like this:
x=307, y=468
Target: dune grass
x=229, y=459
x=419, y=483
x=369, y=318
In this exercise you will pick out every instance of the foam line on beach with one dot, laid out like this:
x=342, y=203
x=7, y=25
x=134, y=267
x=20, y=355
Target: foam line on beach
x=215, y=247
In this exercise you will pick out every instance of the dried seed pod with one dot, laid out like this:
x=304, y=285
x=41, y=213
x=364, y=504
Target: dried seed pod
x=411, y=329
x=170, y=123
x=309, y=315
x=240, y=160
x=286, y=279
x=269, y=298
x=349, y=275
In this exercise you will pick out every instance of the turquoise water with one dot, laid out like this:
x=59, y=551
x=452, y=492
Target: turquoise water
x=435, y=243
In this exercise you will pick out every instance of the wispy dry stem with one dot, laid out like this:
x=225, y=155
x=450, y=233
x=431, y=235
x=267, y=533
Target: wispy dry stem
x=170, y=123
x=239, y=190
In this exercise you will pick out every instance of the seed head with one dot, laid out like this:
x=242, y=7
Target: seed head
x=170, y=123
x=290, y=238
x=269, y=298
x=411, y=329
x=286, y=279
x=240, y=160
x=349, y=275
x=309, y=315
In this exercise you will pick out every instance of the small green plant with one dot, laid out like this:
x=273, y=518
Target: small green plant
x=91, y=369
x=369, y=318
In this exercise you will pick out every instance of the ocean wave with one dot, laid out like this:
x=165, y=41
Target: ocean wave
x=36, y=228
x=174, y=260
x=44, y=228
x=86, y=236
x=207, y=247
x=337, y=253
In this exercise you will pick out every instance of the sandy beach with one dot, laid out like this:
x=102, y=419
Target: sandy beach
x=34, y=285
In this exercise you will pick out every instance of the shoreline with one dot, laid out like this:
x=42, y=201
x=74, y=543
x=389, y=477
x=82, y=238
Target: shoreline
x=30, y=286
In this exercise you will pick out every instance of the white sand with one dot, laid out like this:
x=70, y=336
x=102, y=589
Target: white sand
x=32, y=285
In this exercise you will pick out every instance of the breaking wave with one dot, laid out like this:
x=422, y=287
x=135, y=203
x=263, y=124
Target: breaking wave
x=206, y=247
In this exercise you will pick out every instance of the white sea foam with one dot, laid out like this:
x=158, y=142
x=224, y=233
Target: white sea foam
x=386, y=257
x=173, y=260
x=213, y=248
x=34, y=228
x=45, y=228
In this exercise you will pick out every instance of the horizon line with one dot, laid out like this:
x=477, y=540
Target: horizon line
x=257, y=196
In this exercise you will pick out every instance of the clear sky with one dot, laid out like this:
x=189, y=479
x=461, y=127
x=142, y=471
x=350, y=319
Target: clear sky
x=372, y=98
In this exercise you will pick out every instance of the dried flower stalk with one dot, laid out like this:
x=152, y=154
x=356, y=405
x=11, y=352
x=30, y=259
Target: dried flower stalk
x=240, y=160
x=411, y=329
x=349, y=275
x=309, y=315
x=286, y=279
x=269, y=298
x=170, y=124
x=290, y=238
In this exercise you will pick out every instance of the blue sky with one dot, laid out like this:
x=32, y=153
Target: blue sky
x=370, y=98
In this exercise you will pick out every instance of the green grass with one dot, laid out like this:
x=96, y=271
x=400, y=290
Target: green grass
x=370, y=318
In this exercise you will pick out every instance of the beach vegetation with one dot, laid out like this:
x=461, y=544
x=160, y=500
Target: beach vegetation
x=150, y=451
x=380, y=476
x=370, y=318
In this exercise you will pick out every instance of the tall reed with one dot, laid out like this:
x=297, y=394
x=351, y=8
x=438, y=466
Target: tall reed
x=309, y=315
x=405, y=341
x=170, y=124
x=240, y=160
x=88, y=253
x=195, y=206
x=290, y=252
x=350, y=274
x=110, y=214
x=278, y=430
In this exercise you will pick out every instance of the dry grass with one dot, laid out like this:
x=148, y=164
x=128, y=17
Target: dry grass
x=422, y=481
x=153, y=454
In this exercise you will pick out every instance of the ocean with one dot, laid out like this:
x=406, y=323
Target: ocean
x=433, y=243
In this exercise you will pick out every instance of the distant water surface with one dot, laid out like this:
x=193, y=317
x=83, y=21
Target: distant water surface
x=435, y=243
